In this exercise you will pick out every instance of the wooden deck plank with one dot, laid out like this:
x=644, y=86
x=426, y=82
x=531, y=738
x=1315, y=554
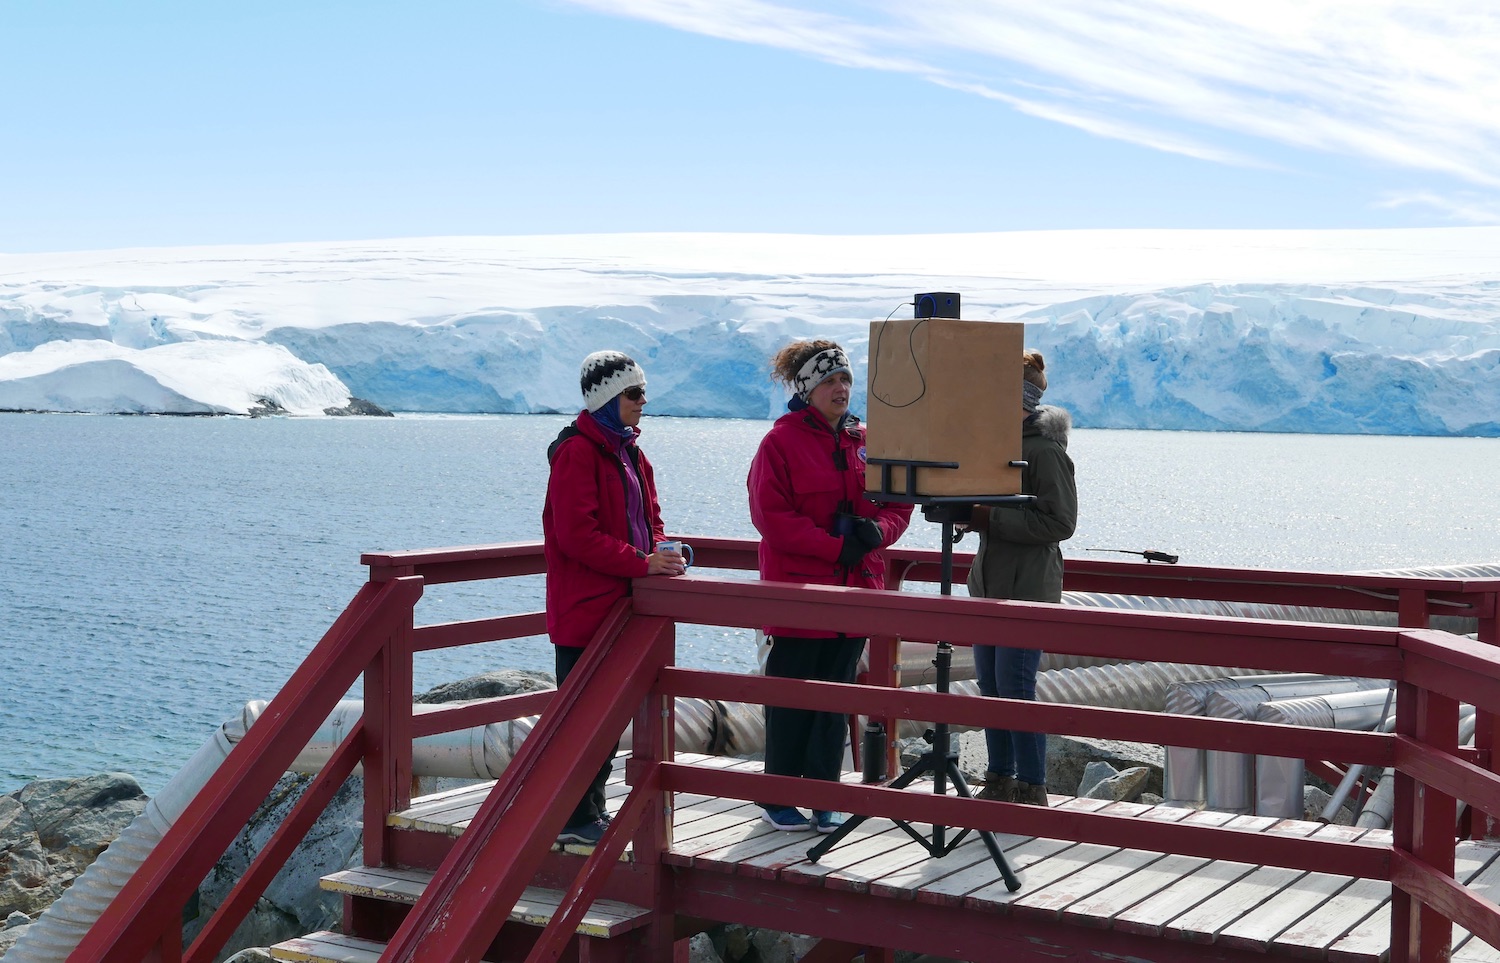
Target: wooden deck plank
x=903, y=882
x=1258, y=929
x=1271, y=910
x=951, y=888
x=1148, y=915
x=1108, y=908
x=325, y=947
x=604, y=918
x=1206, y=919
x=1483, y=882
x=1050, y=901
x=1023, y=857
x=1202, y=923
x=1099, y=908
x=1370, y=938
x=869, y=841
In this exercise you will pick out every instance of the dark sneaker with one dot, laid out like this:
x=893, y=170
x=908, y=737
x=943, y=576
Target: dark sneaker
x=828, y=822
x=787, y=819
x=588, y=834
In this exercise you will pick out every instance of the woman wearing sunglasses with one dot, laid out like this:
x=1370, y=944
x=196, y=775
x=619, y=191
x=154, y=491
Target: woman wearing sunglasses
x=600, y=523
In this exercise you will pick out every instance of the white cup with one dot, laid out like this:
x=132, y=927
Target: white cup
x=681, y=548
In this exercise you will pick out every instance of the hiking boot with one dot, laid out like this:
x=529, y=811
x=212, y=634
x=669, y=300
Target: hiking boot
x=786, y=818
x=828, y=822
x=997, y=787
x=588, y=834
x=1030, y=795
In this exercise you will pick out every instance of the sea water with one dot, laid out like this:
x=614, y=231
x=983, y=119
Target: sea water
x=160, y=572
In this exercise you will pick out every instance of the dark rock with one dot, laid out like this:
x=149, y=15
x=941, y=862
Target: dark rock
x=264, y=407
x=293, y=904
x=488, y=685
x=77, y=818
x=11, y=933
x=27, y=884
x=360, y=407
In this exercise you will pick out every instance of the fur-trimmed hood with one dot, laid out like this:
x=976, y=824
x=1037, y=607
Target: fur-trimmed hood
x=1051, y=423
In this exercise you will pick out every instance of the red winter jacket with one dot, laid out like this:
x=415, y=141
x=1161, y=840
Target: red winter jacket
x=585, y=534
x=801, y=472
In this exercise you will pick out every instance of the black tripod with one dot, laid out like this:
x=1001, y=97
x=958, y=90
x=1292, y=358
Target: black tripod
x=942, y=759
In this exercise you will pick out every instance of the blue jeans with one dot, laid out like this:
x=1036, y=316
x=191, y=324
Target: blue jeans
x=1011, y=674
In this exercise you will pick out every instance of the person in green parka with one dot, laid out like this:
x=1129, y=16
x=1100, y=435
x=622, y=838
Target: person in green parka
x=1020, y=558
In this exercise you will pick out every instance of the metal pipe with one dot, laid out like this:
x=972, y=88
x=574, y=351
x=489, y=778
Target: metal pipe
x=1377, y=812
x=1280, y=781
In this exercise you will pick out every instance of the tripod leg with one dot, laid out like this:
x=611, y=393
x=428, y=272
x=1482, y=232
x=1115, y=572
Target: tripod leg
x=1012, y=882
x=926, y=764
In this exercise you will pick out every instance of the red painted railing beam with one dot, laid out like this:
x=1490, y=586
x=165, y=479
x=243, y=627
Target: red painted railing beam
x=278, y=849
x=1369, y=748
x=1451, y=664
x=449, y=634
x=473, y=890
x=451, y=718
x=1320, y=855
x=1447, y=897
x=596, y=869
x=1168, y=637
x=150, y=904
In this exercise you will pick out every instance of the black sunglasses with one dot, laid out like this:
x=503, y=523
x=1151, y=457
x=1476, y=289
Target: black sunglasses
x=635, y=393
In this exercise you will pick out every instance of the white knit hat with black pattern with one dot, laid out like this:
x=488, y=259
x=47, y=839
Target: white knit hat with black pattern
x=605, y=374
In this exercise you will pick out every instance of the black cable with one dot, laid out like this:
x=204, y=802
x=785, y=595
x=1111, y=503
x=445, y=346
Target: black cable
x=911, y=347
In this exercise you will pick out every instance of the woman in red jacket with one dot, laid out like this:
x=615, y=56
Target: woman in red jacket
x=600, y=525
x=807, y=500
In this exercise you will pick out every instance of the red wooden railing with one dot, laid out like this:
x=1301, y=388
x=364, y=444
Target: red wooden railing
x=464, y=905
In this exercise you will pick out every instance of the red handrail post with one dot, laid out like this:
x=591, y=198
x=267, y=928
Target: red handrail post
x=1485, y=825
x=652, y=742
x=388, y=744
x=1423, y=826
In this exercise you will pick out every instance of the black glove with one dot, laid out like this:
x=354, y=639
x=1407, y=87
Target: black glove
x=852, y=552
x=863, y=538
x=868, y=534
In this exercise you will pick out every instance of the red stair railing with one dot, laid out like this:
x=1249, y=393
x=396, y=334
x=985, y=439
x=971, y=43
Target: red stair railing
x=376, y=635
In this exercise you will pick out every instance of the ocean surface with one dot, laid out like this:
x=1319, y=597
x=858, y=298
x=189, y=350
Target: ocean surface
x=160, y=572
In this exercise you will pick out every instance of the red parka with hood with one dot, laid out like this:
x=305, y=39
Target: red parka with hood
x=802, y=474
x=585, y=531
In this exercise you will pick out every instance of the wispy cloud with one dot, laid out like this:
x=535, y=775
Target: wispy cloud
x=1467, y=207
x=1409, y=85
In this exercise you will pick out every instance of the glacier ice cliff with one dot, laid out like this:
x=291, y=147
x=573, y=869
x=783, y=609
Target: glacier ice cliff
x=1394, y=332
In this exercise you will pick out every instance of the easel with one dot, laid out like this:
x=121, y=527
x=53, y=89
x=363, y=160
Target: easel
x=941, y=761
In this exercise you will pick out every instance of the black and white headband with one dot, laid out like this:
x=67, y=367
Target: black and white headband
x=819, y=368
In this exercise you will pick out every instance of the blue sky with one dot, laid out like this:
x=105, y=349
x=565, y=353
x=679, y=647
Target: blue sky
x=173, y=123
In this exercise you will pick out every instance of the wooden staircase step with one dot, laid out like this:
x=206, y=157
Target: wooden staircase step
x=605, y=919
x=326, y=947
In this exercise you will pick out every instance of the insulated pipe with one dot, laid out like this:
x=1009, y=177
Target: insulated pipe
x=1280, y=780
x=484, y=752
x=916, y=657
x=1229, y=777
x=1183, y=766
x=60, y=928
x=1131, y=685
x=1377, y=812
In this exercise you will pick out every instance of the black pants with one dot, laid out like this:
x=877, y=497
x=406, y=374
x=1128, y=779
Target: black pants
x=591, y=806
x=808, y=742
